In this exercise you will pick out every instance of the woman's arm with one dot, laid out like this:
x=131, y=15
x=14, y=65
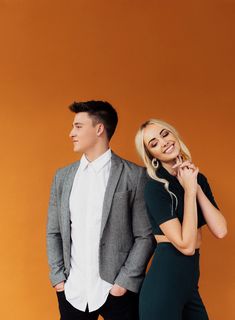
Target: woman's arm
x=184, y=236
x=214, y=218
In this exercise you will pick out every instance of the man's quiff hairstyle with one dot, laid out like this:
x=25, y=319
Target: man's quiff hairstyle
x=99, y=111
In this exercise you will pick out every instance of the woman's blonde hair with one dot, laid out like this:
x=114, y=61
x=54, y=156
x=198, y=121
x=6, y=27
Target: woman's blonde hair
x=148, y=159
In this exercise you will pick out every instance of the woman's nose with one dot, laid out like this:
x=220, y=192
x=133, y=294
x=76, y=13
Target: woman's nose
x=164, y=142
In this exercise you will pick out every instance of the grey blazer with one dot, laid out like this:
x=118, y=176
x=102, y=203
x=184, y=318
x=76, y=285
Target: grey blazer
x=126, y=239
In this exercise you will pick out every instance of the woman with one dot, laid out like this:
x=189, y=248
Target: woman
x=179, y=202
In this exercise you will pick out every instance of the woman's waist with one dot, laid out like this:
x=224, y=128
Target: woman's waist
x=164, y=239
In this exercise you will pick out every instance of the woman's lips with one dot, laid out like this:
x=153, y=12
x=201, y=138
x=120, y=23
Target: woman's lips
x=170, y=149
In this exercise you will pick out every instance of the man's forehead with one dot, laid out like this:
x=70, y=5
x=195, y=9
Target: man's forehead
x=82, y=117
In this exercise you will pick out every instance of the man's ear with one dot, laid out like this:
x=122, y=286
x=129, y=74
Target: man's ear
x=100, y=129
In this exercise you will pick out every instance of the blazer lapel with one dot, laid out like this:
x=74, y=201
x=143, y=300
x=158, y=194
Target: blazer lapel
x=115, y=173
x=65, y=212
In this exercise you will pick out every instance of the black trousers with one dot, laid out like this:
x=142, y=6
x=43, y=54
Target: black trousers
x=115, y=308
x=170, y=289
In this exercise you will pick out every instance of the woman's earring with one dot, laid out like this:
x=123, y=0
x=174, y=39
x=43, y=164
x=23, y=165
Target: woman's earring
x=155, y=163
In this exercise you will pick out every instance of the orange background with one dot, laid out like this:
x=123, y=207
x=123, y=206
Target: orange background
x=165, y=59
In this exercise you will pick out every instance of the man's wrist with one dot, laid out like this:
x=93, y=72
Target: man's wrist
x=59, y=286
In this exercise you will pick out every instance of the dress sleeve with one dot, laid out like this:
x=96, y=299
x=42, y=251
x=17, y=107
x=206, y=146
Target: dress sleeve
x=159, y=203
x=206, y=189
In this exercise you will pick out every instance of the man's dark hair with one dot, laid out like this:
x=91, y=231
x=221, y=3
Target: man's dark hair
x=101, y=111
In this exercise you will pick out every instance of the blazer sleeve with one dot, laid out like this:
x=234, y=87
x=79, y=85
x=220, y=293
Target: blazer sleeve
x=54, y=241
x=132, y=272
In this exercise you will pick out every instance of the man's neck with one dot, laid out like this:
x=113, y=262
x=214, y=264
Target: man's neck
x=95, y=153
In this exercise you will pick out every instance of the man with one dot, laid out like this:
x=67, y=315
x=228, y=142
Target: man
x=99, y=239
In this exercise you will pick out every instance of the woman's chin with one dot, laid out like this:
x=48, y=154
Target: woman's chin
x=171, y=157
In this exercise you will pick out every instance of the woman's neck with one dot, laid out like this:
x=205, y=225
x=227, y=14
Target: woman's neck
x=168, y=166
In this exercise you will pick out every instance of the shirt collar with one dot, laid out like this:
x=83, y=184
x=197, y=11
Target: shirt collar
x=98, y=163
x=83, y=163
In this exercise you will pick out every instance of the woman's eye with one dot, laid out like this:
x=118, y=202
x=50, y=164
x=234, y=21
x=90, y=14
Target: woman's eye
x=154, y=145
x=165, y=133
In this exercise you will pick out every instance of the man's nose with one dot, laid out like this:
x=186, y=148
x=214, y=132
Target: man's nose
x=71, y=134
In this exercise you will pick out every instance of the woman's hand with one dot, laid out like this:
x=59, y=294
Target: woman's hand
x=187, y=175
x=188, y=179
x=182, y=164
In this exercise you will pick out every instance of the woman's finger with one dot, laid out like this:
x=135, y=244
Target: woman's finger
x=178, y=162
x=186, y=163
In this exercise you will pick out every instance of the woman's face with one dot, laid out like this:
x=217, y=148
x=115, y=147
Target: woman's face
x=161, y=143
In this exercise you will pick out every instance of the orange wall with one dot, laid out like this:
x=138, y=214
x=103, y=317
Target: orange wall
x=165, y=59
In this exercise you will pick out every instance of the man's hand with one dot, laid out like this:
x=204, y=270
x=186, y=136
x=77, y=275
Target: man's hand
x=60, y=286
x=117, y=291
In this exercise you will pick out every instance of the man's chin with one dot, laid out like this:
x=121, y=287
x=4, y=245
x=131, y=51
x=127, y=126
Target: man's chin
x=75, y=149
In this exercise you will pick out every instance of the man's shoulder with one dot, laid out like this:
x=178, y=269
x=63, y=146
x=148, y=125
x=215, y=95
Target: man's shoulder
x=62, y=171
x=130, y=164
x=131, y=169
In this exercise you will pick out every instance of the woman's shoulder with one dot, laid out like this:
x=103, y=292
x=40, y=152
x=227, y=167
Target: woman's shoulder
x=153, y=184
x=154, y=187
x=201, y=178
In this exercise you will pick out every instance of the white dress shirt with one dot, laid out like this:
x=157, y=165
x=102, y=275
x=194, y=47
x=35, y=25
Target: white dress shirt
x=84, y=285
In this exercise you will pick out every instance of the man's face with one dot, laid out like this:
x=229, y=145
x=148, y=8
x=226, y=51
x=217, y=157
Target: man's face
x=84, y=133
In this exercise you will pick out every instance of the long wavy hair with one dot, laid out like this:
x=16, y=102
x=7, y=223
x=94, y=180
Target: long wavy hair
x=147, y=157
